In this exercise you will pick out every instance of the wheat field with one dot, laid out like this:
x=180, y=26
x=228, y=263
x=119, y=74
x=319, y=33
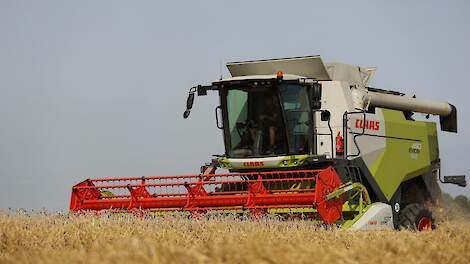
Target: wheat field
x=28, y=237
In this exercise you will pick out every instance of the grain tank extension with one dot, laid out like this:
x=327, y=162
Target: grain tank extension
x=303, y=138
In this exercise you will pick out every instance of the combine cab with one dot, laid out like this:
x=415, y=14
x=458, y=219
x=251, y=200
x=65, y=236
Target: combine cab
x=302, y=138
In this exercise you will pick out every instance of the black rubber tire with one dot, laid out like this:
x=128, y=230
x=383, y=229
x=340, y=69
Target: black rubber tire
x=411, y=215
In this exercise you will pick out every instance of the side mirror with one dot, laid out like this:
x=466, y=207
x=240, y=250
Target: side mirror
x=186, y=113
x=325, y=115
x=316, y=96
x=189, y=102
x=457, y=180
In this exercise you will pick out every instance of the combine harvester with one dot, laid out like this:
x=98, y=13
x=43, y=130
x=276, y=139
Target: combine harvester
x=303, y=138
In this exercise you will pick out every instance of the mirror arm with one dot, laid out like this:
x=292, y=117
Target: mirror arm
x=201, y=91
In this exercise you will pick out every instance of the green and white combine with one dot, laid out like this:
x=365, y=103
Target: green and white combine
x=303, y=139
x=301, y=114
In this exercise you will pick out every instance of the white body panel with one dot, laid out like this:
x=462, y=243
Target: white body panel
x=378, y=217
x=336, y=98
x=373, y=142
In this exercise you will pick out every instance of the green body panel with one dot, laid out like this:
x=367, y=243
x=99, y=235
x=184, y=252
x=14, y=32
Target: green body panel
x=411, y=146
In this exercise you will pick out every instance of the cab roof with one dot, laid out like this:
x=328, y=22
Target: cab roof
x=286, y=77
x=311, y=67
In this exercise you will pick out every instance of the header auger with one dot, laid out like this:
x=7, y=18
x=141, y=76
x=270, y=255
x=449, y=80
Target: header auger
x=302, y=138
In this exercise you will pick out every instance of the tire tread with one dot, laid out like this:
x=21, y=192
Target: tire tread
x=408, y=217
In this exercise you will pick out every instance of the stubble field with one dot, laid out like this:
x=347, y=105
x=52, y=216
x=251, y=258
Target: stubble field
x=62, y=238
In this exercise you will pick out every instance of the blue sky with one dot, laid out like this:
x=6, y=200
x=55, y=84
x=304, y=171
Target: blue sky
x=97, y=88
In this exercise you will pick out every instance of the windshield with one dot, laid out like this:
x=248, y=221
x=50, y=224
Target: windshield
x=256, y=124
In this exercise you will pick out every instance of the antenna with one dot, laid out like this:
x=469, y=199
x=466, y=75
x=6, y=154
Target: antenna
x=220, y=69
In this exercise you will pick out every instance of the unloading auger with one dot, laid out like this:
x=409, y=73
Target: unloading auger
x=302, y=138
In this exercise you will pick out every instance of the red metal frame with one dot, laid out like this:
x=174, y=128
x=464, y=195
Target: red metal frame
x=256, y=192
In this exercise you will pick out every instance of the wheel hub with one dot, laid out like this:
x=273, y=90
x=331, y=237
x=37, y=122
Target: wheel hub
x=424, y=224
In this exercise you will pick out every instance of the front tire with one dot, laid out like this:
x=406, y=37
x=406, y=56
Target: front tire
x=416, y=217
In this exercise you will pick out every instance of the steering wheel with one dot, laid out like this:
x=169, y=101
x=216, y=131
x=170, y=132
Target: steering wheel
x=245, y=126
